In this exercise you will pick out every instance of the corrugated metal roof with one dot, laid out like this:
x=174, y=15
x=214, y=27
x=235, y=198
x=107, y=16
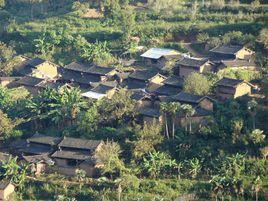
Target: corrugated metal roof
x=156, y=53
x=94, y=95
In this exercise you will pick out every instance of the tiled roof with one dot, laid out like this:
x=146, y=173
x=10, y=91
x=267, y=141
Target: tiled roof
x=29, y=81
x=76, y=66
x=80, y=143
x=102, y=88
x=35, y=62
x=144, y=75
x=156, y=53
x=4, y=184
x=227, y=49
x=139, y=94
x=99, y=70
x=174, y=81
x=44, y=139
x=150, y=112
x=229, y=82
x=167, y=90
x=37, y=149
x=38, y=159
x=202, y=112
x=77, y=155
x=78, y=77
x=187, y=97
x=238, y=63
x=134, y=84
x=192, y=62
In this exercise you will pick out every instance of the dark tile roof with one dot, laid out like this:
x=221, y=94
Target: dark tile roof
x=34, y=62
x=174, y=81
x=150, y=112
x=202, y=112
x=187, y=98
x=4, y=184
x=44, y=139
x=102, y=88
x=77, y=155
x=134, y=84
x=78, y=77
x=76, y=66
x=80, y=143
x=38, y=159
x=167, y=90
x=229, y=82
x=227, y=49
x=99, y=70
x=37, y=149
x=9, y=78
x=144, y=75
x=192, y=62
x=139, y=95
x=29, y=81
x=238, y=63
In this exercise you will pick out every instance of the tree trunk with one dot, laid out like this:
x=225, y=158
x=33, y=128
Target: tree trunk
x=190, y=125
x=173, y=128
x=257, y=197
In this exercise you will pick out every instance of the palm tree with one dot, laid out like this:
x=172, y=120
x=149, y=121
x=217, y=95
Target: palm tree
x=189, y=111
x=174, y=108
x=164, y=111
x=252, y=109
x=256, y=186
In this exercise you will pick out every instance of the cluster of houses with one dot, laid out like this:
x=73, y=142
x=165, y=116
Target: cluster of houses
x=149, y=87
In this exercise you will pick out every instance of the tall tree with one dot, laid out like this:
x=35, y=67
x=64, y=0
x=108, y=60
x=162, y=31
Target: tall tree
x=109, y=156
x=189, y=111
x=164, y=111
x=197, y=84
x=252, y=109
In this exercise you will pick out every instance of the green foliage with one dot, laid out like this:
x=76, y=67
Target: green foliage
x=108, y=155
x=147, y=138
x=11, y=170
x=197, y=84
x=263, y=37
x=157, y=162
x=7, y=127
x=8, y=60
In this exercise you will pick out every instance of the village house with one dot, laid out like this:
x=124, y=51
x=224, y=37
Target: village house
x=74, y=154
x=149, y=115
x=102, y=89
x=195, y=101
x=34, y=85
x=232, y=88
x=141, y=98
x=238, y=64
x=38, y=163
x=83, y=75
x=141, y=79
x=40, y=145
x=230, y=52
x=188, y=65
x=170, y=86
x=159, y=57
x=6, y=189
x=39, y=68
